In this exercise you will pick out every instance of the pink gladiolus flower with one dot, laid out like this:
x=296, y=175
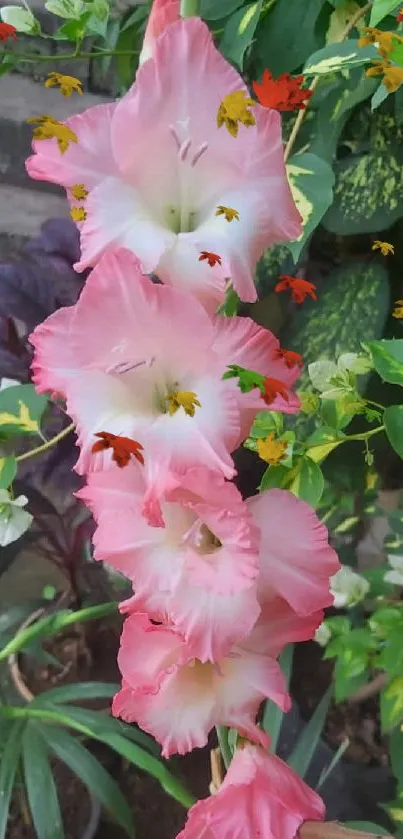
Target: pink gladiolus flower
x=260, y=798
x=179, y=699
x=199, y=569
x=144, y=361
x=157, y=169
x=163, y=13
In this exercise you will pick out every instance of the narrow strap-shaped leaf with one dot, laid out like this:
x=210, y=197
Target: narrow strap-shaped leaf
x=303, y=752
x=68, y=749
x=8, y=768
x=273, y=715
x=40, y=785
x=78, y=691
x=97, y=723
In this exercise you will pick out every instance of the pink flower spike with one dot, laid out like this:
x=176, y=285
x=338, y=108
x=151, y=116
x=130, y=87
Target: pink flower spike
x=144, y=361
x=157, y=167
x=261, y=796
x=200, y=569
x=178, y=699
x=163, y=12
x=296, y=560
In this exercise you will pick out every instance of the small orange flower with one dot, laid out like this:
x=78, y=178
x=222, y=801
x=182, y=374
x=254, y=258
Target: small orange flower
x=7, y=31
x=282, y=94
x=273, y=388
x=291, y=358
x=271, y=450
x=212, y=258
x=398, y=310
x=123, y=448
x=300, y=289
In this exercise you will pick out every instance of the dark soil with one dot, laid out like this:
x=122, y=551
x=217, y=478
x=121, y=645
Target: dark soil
x=359, y=721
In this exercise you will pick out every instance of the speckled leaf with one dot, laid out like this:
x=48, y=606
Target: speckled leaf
x=275, y=261
x=308, y=482
x=388, y=360
x=368, y=193
x=336, y=57
x=311, y=180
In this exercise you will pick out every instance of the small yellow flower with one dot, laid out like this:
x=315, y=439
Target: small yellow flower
x=228, y=212
x=398, y=311
x=234, y=109
x=67, y=84
x=79, y=192
x=272, y=450
x=185, y=399
x=384, y=247
x=392, y=76
x=49, y=128
x=78, y=214
x=383, y=41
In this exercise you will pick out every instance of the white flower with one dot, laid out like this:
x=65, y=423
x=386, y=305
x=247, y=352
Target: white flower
x=348, y=587
x=322, y=635
x=358, y=364
x=14, y=521
x=396, y=575
x=21, y=17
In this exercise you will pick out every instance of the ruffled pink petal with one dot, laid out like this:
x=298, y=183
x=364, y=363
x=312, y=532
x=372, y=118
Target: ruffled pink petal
x=261, y=796
x=86, y=162
x=279, y=625
x=54, y=362
x=296, y=558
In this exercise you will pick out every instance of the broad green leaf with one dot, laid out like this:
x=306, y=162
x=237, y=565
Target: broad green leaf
x=340, y=56
x=213, y=10
x=10, y=757
x=332, y=114
x=287, y=35
x=91, y=773
x=275, y=477
x=393, y=419
x=303, y=752
x=75, y=692
x=368, y=192
x=231, y=304
x=379, y=96
x=266, y=422
x=8, y=471
x=69, y=9
x=20, y=17
x=73, y=30
x=311, y=181
x=380, y=9
x=396, y=54
x=387, y=356
x=21, y=409
x=272, y=714
x=40, y=785
x=308, y=483
x=321, y=443
x=339, y=19
x=239, y=32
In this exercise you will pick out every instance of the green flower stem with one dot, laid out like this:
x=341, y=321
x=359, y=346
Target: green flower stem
x=365, y=435
x=190, y=8
x=222, y=737
x=47, y=445
x=33, y=58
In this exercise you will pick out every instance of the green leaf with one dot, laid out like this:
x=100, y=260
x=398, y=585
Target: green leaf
x=8, y=471
x=213, y=10
x=21, y=409
x=275, y=477
x=272, y=714
x=311, y=181
x=379, y=96
x=368, y=193
x=308, y=483
x=75, y=692
x=10, y=757
x=265, y=422
x=231, y=304
x=239, y=32
x=73, y=30
x=396, y=754
x=40, y=785
x=303, y=752
x=333, y=112
x=387, y=357
x=367, y=827
x=321, y=442
x=340, y=56
x=380, y=9
x=393, y=419
x=391, y=706
x=91, y=773
x=287, y=35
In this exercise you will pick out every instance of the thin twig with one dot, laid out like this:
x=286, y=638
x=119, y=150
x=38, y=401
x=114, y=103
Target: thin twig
x=371, y=689
x=48, y=444
x=301, y=115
